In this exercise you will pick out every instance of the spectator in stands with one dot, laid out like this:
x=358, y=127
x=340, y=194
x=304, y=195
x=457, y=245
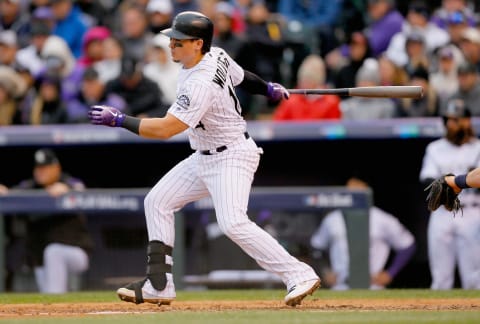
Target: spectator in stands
x=456, y=24
x=134, y=32
x=95, y=12
x=385, y=21
x=236, y=45
x=320, y=17
x=69, y=24
x=416, y=26
x=428, y=105
x=391, y=245
x=390, y=73
x=161, y=68
x=442, y=14
x=27, y=99
x=93, y=93
x=470, y=46
x=359, y=108
x=311, y=75
x=358, y=52
x=8, y=47
x=468, y=88
x=142, y=94
x=13, y=18
x=445, y=80
x=109, y=67
x=48, y=106
x=159, y=15
x=93, y=45
x=59, y=60
x=58, y=246
x=29, y=56
x=417, y=54
x=185, y=5
x=265, y=36
x=12, y=88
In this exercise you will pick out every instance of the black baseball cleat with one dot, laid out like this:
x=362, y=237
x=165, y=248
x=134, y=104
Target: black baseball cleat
x=298, y=292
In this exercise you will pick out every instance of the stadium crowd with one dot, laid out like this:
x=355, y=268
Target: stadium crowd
x=59, y=57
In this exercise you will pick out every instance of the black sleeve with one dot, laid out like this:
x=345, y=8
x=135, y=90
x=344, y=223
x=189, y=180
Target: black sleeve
x=253, y=84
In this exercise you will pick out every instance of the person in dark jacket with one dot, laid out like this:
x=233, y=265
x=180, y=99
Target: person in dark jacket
x=59, y=245
x=143, y=96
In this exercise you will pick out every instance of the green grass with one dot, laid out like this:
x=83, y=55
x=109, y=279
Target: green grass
x=277, y=316
x=241, y=294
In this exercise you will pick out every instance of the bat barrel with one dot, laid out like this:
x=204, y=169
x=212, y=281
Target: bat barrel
x=415, y=92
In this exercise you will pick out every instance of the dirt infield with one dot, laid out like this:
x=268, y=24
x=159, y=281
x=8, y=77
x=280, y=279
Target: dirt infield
x=75, y=309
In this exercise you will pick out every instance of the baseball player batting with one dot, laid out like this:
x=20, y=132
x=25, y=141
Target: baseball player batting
x=222, y=166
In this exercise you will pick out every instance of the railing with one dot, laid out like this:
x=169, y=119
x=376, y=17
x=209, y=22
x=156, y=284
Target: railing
x=81, y=134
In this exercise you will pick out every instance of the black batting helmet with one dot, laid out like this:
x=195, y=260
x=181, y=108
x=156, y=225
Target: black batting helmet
x=191, y=25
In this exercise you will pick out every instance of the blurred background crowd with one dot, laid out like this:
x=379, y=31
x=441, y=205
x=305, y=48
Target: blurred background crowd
x=58, y=57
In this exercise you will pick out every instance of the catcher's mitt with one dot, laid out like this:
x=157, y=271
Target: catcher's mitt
x=440, y=193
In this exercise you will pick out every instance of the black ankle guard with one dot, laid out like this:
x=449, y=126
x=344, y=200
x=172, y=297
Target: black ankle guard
x=157, y=268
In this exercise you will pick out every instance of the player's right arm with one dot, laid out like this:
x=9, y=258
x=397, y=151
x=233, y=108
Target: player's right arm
x=462, y=181
x=155, y=128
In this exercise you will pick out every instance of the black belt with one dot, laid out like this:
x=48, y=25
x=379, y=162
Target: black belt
x=220, y=148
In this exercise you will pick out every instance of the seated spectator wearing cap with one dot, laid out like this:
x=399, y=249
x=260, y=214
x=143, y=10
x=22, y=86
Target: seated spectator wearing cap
x=48, y=106
x=359, y=50
x=468, y=88
x=12, y=88
x=159, y=15
x=92, y=93
x=417, y=28
x=59, y=60
x=457, y=23
x=311, y=75
x=14, y=18
x=57, y=246
x=69, y=24
x=443, y=14
x=93, y=45
x=428, y=105
x=470, y=46
x=358, y=108
x=444, y=80
x=29, y=56
x=8, y=47
x=143, y=96
x=161, y=68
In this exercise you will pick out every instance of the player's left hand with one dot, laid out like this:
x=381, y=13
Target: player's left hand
x=276, y=92
x=383, y=278
x=106, y=115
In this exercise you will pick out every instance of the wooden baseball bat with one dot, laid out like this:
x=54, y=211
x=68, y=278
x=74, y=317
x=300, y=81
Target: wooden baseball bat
x=415, y=92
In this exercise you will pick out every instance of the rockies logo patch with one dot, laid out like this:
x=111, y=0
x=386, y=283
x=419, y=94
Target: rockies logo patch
x=183, y=101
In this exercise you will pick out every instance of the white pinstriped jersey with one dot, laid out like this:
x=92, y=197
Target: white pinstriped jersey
x=206, y=101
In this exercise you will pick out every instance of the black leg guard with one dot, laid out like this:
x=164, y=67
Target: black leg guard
x=156, y=265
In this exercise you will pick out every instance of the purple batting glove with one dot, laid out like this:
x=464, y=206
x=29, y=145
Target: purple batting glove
x=105, y=115
x=276, y=91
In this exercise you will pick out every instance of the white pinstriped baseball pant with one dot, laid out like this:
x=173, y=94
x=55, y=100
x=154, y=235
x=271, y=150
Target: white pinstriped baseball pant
x=226, y=177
